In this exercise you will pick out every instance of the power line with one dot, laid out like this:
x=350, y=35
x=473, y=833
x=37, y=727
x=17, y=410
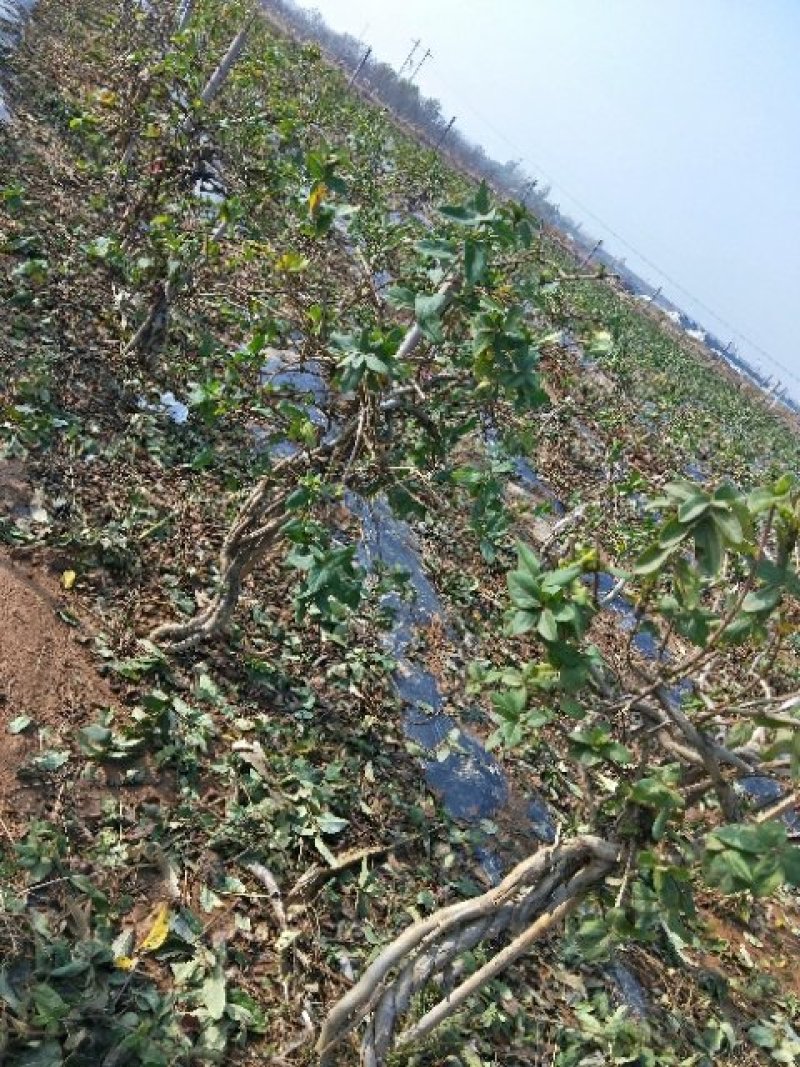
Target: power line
x=627, y=244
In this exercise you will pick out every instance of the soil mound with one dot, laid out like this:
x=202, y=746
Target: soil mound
x=46, y=675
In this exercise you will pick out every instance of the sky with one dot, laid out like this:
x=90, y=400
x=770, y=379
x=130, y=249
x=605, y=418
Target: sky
x=669, y=128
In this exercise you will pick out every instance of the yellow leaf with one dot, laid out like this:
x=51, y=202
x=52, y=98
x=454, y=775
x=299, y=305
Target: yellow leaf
x=124, y=963
x=107, y=97
x=158, y=931
x=292, y=263
x=68, y=579
x=318, y=194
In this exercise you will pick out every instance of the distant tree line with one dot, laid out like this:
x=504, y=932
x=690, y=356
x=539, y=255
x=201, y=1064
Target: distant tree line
x=404, y=99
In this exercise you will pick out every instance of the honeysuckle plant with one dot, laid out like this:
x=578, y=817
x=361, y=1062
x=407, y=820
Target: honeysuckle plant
x=403, y=394
x=720, y=573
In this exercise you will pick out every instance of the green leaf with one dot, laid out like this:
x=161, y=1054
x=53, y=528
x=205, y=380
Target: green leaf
x=400, y=296
x=680, y=491
x=755, y=839
x=771, y=574
x=475, y=261
x=375, y=363
x=428, y=310
x=213, y=994
x=558, y=579
x=510, y=704
x=660, y=823
x=672, y=534
x=619, y=753
x=457, y=213
x=693, y=508
x=331, y=824
x=764, y=599
x=652, y=559
x=403, y=503
x=482, y=200
x=547, y=626
x=730, y=871
x=528, y=558
x=571, y=708
x=51, y=761
x=654, y=793
x=324, y=851
x=523, y=590
x=437, y=248
x=728, y=525
x=94, y=739
x=50, y=1006
x=791, y=865
x=601, y=343
x=767, y=876
x=740, y=733
x=521, y=623
x=70, y=970
x=709, y=548
x=43, y=1054
x=763, y=1036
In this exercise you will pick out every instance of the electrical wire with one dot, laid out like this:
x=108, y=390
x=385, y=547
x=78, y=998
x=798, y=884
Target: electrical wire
x=556, y=184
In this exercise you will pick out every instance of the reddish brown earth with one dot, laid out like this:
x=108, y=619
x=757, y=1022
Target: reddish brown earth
x=46, y=673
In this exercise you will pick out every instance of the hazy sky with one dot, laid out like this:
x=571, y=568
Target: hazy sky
x=675, y=122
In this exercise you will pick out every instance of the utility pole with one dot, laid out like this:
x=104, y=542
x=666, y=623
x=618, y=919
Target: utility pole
x=448, y=128
x=427, y=55
x=599, y=243
x=410, y=57
x=359, y=68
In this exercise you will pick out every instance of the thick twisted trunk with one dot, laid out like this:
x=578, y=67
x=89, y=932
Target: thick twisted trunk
x=532, y=898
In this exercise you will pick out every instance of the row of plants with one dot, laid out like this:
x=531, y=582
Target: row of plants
x=237, y=558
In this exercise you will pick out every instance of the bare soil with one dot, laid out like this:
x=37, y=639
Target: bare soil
x=46, y=672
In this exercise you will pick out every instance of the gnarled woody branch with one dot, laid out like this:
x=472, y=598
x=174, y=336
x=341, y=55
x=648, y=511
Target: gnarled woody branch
x=152, y=333
x=260, y=519
x=210, y=89
x=534, y=896
x=565, y=898
x=257, y=525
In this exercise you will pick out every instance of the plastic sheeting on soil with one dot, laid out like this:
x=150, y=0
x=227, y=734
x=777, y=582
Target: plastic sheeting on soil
x=12, y=18
x=457, y=767
x=467, y=779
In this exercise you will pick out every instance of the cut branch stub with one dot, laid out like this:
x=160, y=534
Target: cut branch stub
x=532, y=898
x=228, y=61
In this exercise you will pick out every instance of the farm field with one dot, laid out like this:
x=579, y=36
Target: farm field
x=363, y=555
